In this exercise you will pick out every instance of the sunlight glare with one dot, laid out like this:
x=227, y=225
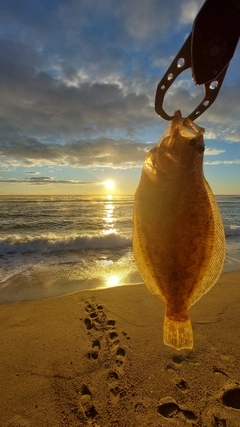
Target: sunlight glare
x=113, y=281
x=109, y=231
x=109, y=184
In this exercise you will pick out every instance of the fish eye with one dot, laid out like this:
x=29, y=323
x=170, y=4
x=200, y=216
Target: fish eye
x=193, y=141
x=201, y=149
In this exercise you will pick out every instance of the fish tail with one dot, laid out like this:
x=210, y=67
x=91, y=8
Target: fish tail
x=177, y=334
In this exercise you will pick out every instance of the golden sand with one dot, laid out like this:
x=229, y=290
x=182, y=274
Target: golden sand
x=96, y=358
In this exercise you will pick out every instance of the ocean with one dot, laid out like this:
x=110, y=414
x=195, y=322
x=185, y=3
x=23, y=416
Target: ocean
x=54, y=245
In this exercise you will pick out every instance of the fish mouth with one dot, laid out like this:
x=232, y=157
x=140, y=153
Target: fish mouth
x=187, y=127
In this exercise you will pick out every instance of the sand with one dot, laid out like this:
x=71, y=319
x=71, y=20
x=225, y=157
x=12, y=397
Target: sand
x=96, y=358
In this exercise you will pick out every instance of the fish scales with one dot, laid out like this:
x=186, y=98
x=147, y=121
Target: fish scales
x=178, y=235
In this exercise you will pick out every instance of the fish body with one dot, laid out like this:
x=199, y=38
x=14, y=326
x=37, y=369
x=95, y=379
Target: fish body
x=178, y=235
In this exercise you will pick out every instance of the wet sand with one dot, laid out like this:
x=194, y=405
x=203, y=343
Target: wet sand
x=96, y=358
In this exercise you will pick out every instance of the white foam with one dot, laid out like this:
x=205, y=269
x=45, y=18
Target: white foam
x=49, y=243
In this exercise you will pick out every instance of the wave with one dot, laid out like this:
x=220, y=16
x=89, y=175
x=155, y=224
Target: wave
x=53, y=243
x=49, y=243
x=232, y=230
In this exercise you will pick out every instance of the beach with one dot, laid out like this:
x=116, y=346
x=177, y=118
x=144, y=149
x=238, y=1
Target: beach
x=96, y=358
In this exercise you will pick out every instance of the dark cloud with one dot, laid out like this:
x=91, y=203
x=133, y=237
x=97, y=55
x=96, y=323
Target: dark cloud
x=102, y=151
x=78, y=80
x=34, y=103
x=44, y=120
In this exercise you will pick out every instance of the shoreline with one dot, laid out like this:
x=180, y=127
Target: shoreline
x=43, y=286
x=96, y=358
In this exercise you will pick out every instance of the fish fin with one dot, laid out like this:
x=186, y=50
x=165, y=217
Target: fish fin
x=216, y=259
x=177, y=334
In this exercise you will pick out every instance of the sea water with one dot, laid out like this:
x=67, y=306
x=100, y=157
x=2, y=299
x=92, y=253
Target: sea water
x=53, y=245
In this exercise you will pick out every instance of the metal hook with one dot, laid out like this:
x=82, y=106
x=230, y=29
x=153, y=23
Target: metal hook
x=181, y=63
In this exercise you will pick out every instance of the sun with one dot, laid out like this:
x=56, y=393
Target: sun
x=109, y=184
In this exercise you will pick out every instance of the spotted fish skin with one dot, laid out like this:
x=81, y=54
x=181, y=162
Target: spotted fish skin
x=178, y=235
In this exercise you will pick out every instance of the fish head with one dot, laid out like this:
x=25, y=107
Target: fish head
x=181, y=148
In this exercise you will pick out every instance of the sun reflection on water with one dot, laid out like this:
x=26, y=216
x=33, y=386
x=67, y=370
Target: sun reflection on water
x=108, y=218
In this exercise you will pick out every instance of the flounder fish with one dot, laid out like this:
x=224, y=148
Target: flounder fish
x=178, y=235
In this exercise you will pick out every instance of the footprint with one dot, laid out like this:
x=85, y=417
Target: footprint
x=89, y=307
x=88, y=323
x=111, y=324
x=170, y=409
x=219, y=422
x=97, y=317
x=231, y=397
x=177, y=359
x=218, y=371
x=94, y=352
x=179, y=382
x=115, y=395
x=120, y=357
x=93, y=315
x=189, y=415
x=114, y=340
x=188, y=357
x=112, y=375
x=86, y=404
x=113, y=336
x=114, y=390
x=182, y=385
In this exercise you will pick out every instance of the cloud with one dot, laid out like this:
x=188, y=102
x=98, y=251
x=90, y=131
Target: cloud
x=223, y=162
x=163, y=62
x=210, y=134
x=234, y=135
x=221, y=120
x=148, y=19
x=78, y=81
x=107, y=152
x=36, y=104
x=43, y=180
x=189, y=10
x=213, y=151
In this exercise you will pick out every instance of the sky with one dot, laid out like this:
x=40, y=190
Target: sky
x=77, y=88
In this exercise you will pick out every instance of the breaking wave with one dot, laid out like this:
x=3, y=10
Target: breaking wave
x=53, y=243
x=50, y=243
